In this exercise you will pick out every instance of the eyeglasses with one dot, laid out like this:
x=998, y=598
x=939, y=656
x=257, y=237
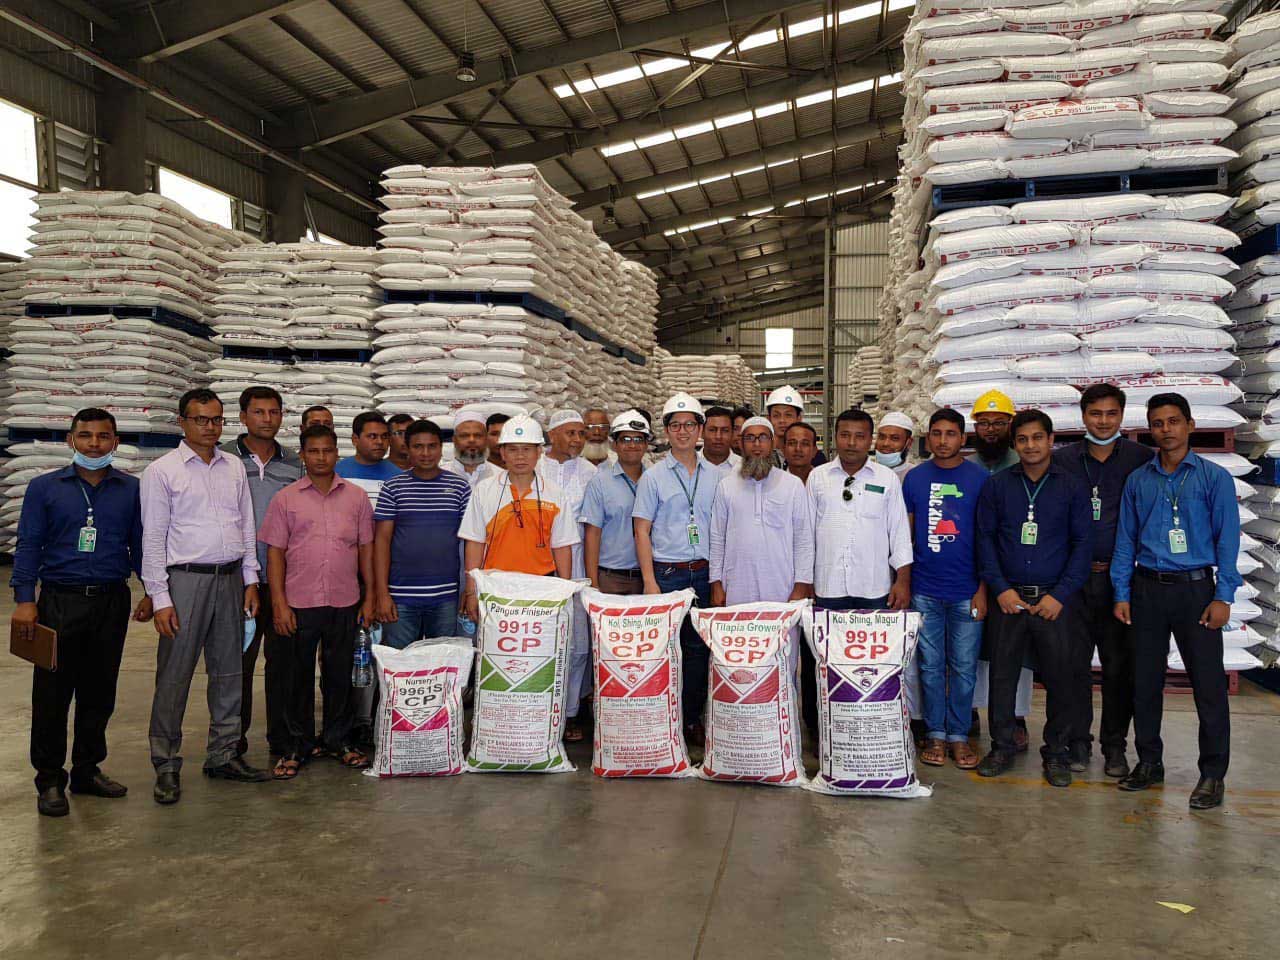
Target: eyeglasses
x=682, y=427
x=206, y=421
x=636, y=441
x=397, y=433
x=986, y=426
x=847, y=493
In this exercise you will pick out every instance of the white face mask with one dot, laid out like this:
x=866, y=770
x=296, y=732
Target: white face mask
x=1103, y=443
x=889, y=459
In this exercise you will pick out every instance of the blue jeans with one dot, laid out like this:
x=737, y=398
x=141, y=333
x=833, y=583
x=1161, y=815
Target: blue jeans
x=696, y=656
x=948, y=656
x=419, y=621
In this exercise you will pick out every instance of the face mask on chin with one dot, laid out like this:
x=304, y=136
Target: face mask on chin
x=889, y=459
x=1103, y=443
x=92, y=463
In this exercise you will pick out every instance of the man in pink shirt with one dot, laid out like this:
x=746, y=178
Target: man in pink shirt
x=319, y=537
x=200, y=567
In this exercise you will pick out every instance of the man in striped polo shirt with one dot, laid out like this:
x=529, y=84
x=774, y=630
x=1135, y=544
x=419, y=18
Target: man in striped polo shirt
x=415, y=552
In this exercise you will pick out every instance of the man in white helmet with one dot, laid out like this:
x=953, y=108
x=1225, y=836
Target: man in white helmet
x=761, y=529
x=672, y=517
x=893, y=442
x=784, y=407
x=609, y=543
x=516, y=520
x=470, y=446
x=564, y=466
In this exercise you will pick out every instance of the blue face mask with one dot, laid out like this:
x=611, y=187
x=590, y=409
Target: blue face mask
x=92, y=463
x=889, y=459
x=1103, y=443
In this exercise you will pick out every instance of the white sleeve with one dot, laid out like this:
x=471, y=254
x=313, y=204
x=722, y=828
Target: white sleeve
x=474, y=527
x=900, y=551
x=564, y=528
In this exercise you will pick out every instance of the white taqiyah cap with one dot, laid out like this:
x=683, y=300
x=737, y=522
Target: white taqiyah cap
x=896, y=419
x=561, y=417
x=787, y=396
x=683, y=403
x=629, y=421
x=522, y=429
x=757, y=422
x=474, y=413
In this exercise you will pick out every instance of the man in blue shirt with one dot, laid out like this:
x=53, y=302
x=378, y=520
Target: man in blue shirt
x=79, y=536
x=941, y=495
x=609, y=545
x=1034, y=542
x=672, y=517
x=1178, y=520
x=1103, y=460
x=369, y=469
x=415, y=550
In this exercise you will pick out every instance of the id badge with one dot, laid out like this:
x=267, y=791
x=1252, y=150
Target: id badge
x=87, y=540
x=1097, y=508
x=1177, y=540
x=694, y=536
x=1030, y=530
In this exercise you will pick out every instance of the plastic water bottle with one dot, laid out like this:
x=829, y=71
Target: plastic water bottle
x=466, y=626
x=361, y=661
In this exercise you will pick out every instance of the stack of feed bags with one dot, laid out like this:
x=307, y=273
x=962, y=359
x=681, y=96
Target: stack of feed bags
x=505, y=230
x=298, y=317
x=1031, y=89
x=725, y=378
x=864, y=372
x=1255, y=307
x=12, y=277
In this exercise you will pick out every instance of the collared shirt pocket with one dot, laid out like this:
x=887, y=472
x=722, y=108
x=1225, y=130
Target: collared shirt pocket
x=871, y=500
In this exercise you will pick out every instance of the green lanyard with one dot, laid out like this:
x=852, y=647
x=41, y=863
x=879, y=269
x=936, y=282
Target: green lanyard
x=1031, y=497
x=1173, y=500
x=697, y=475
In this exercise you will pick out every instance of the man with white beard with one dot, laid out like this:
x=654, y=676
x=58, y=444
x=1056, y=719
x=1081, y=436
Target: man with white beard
x=564, y=466
x=597, y=450
x=761, y=529
x=470, y=446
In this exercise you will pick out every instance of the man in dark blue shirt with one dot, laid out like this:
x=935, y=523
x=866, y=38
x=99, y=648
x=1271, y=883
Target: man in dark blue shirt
x=1103, y=460
x=1178, y=520
x=79, y=536
x=1033, y=555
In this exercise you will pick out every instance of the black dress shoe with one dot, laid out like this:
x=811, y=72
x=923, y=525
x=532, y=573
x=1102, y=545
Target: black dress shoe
x=1144, y=775
x=994, y=764
x=167, y=789
x=975, y=724
x=237, y=770
x=52, y=802
x=99, y=785
x=1117, y=766
x=1207, y=794
x=1081, y=753
x=1057, y=773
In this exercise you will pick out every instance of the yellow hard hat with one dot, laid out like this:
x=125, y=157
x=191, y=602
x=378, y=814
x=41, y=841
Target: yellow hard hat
x=993, y=401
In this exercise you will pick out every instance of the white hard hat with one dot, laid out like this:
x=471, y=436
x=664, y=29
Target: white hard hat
x=561, y=417
x=472, y=413
x=899, y=420
x=787, y=396
x=522, y=429
x=629, y=421
x=683, y=403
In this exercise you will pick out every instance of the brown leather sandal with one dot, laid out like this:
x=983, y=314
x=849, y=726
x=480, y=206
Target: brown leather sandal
x=934, y=753
x=962, y=755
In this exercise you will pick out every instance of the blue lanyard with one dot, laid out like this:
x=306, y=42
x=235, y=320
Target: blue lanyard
x=1031, y=497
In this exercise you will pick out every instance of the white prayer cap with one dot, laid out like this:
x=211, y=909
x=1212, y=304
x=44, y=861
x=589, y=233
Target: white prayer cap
x=522, y=429
x=900, y=420
x=629, y=421
x=787, y=396
x=473, y=413
x=561, y=417
x=757, y=422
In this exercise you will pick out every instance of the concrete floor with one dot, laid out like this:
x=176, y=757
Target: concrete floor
x=566, y=866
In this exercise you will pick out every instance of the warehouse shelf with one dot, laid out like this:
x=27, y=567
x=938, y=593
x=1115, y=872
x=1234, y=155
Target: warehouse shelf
x=159, y=315
x=1003, y=192
x=528, y=301
x=1259, y=245
x=131, y=437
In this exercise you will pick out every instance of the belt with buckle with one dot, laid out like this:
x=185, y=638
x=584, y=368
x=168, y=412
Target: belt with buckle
x=1030, y=591
x=85, y=589
x=684, y=564
x=231, y=566
x=1100, y=566
x=629, y=574
x=1174, y=576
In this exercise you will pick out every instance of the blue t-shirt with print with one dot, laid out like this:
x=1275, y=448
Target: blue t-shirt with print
x=943, y=504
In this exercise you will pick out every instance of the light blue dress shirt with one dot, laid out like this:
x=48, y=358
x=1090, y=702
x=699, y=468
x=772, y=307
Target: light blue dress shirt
x=662, y=498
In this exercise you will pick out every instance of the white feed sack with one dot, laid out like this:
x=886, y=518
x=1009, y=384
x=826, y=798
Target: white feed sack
x=723, y=377
x=420, y=713
x=504, y=229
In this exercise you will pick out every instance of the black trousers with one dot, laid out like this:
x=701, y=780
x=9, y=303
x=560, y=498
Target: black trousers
x=1095, y=625
x=91, y=633
x=275, y=664
x=333, y=631
x=1010, y=636
x=1159, y=609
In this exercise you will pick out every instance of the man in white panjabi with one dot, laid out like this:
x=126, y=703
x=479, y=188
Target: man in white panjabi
x=564, y=466
x=762, y=538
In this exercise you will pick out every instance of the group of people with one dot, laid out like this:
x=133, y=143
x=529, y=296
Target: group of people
x=1018, y=557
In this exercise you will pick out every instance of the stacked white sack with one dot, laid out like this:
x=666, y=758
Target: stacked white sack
x=505, y=230
x=722, y=377
x=12, y=277
x=1030, y=89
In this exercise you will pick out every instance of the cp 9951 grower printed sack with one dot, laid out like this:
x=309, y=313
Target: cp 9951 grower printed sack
x=863, y=727
x=636, y=644
x=753, y=714
x=523, y=636
x=420, y=713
